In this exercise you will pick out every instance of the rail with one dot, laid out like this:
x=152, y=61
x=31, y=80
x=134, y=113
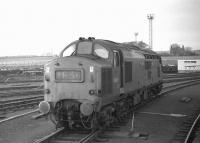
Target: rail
x=191, y=134
x=180, y=79
x=19, y=103
x=61, y=136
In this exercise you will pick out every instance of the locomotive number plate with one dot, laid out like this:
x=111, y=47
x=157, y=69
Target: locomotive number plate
x=69, y=75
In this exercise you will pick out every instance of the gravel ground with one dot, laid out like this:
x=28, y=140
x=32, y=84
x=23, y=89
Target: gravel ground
x=160, y=129
x=24, y=129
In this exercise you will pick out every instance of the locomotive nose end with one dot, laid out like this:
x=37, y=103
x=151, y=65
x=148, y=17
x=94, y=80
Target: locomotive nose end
x=44, y=107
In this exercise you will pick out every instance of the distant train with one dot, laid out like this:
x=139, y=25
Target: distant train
x=94, y=82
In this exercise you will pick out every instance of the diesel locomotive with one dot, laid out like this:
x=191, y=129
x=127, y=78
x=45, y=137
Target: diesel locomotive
x=94, y=82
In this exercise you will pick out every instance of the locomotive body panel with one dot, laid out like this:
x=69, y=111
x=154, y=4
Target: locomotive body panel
x=89, y=80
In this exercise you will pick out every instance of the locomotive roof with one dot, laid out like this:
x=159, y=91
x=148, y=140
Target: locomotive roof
x=129, y=45
x=125, y=45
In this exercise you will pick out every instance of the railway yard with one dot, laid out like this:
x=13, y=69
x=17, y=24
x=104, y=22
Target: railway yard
x=100, y=72
x=168, y=118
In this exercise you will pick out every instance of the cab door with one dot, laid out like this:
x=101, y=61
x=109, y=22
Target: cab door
x=117, y=72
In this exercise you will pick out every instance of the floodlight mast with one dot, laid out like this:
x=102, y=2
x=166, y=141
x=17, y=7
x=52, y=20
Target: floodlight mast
x=150, y=18
x=136, y=34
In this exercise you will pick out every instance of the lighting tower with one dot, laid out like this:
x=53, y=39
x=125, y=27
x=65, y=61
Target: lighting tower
x=136, y=34
x=150, y=18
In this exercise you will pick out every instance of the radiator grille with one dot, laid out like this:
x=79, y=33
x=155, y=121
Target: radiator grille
x=106, y=80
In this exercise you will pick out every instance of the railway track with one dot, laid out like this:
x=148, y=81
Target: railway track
x=20, y=96
x=20, y=78
x=190, y=128
x=179, y=75
x=21, y=93
x=168, y=80
x=15, y=104
x=23, y=87
x=22, y=81
x=194, y=130
x=21, y=90
x=81, y=136
x=181, y=85
x=62, y=136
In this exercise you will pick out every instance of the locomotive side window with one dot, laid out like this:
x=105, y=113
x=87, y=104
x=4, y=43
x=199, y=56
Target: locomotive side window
x=100, y=51
x=84, y=48
x=69, y=51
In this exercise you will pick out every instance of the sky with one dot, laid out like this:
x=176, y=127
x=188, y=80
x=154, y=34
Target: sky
x=39, y=27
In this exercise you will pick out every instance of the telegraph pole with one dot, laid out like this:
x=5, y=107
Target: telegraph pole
x=150, y=18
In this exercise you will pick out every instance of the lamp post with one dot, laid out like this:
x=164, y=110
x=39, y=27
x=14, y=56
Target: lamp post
x=150, y=18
